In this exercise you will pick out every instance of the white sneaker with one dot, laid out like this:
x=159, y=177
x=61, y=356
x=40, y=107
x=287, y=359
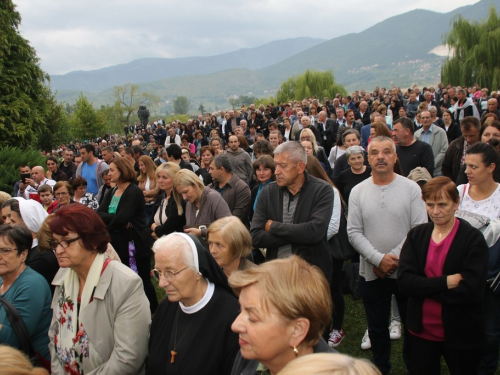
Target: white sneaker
x=365, y=342
x=395, y=330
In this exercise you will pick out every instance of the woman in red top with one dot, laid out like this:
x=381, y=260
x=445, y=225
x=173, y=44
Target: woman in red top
x=443, y=269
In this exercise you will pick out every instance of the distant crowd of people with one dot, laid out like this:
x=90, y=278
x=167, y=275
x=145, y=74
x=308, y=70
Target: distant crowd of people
x=249, y=218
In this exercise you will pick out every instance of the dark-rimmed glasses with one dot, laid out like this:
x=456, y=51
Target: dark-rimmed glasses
x=64, y=243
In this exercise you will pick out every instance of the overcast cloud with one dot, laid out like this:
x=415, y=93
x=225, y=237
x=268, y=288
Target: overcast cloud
x=84, y=35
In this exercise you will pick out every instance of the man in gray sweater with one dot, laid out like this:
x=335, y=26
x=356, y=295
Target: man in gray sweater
x=382, y=209
x=240, y=160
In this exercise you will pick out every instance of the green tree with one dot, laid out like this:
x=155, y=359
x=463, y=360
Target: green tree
x=246, y=100
x=86, y=123
x=22, y=83
x=111, y=115
x=311, y=83
x=57, y=129
x=181, y=105
x=201, y=108
x=234, y=102
x=10, y=160
x=475, y=52
x=264, y=101
x=129, y=98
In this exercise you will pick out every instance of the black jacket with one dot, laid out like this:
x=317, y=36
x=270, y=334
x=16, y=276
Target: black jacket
x=307, y=233
x=131, y=209
x=452, y=159
x=175, y=222
x=461, y=306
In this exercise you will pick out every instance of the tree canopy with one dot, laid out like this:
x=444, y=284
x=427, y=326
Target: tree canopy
x=129, y=98
x=311, y=83
x=475, y=52
x=181, y=105
x=23, y=92
x=87, y=123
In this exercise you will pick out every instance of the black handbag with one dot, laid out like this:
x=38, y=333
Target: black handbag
x=340, y=247
x=23, y=336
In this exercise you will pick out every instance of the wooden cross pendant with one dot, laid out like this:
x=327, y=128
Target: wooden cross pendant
x=174, y=353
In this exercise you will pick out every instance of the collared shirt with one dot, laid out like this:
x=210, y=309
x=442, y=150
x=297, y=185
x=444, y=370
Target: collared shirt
x=289, y=204
x=426, y=135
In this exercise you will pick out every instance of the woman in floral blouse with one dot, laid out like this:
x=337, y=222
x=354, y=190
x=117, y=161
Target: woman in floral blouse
x=79, y=186
x=100, y=312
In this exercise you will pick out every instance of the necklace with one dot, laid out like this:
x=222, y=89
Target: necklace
x=446, y=231
x=176, y=344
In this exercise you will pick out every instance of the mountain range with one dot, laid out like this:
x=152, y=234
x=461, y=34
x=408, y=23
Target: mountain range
x=396, y=51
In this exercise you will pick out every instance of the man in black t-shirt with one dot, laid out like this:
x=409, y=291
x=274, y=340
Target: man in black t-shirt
x=411, y=152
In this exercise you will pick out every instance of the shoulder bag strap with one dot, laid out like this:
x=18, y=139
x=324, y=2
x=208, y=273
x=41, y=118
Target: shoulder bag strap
x=19, y=328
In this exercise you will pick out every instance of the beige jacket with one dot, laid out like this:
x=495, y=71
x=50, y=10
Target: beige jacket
x=117, y=323
x=151, y=194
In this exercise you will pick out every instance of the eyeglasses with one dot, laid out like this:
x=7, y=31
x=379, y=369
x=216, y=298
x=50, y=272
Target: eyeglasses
x=63, y=194
x=169, y=275
x=6, y=251
x=64, y=243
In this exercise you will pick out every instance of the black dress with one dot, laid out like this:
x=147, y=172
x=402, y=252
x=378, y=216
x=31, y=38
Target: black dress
x=347, y=180
x=205, y=342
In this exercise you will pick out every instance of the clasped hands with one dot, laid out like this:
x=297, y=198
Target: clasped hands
x=388, y=265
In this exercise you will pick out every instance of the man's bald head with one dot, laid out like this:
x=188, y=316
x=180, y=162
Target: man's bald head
x=492, y=104
x=305, y=121
x=37, y=174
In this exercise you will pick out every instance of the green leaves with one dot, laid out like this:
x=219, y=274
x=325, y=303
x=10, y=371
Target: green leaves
x=311, y=83
x=29, y=115
x=475, y=48
x=181, y=105
x=10, y=160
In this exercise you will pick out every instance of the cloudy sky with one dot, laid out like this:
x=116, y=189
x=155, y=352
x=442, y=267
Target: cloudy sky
x=84, y=35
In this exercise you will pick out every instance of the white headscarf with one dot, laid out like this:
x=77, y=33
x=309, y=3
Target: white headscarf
x=32, y=213
x=166, y=239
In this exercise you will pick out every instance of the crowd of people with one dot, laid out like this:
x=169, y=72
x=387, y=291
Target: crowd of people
x=248, y=218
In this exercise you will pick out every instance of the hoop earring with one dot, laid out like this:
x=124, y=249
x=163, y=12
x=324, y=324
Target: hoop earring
x=295, y=351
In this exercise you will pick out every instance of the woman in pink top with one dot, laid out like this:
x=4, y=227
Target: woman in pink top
x=443, y=269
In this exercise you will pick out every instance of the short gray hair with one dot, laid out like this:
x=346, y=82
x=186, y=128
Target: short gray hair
x=176, y=243
x=223, y=161
x=294, y=150
x=354, y=150
x=382, y=138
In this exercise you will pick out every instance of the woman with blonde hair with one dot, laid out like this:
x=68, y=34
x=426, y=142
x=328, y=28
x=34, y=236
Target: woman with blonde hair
x=148, y=184
x=217, y=145
x=230, y=244
x=318, y=151
x=329, y=363
x=285, y=309
x=14, y=362
x=203, y=204
x=168, y=217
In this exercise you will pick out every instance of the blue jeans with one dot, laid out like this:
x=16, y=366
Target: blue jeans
x=377, y=296
x=489, y=358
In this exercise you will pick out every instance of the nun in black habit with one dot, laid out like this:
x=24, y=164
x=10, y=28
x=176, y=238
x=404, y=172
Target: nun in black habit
x=191, y=330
